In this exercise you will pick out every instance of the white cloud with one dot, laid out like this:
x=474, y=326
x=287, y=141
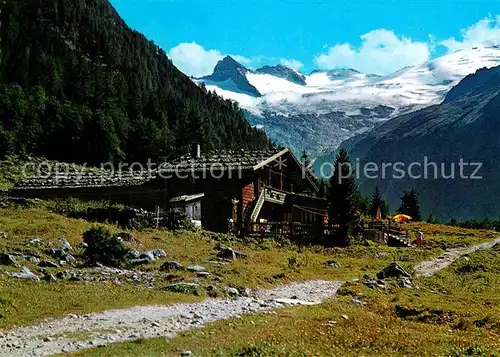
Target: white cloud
x=292, y=63
x=195, y=60
x=486, y=32
x=380, y=52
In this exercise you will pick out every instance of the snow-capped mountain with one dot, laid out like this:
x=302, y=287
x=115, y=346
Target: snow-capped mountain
x=319, y=111
x=284, y=72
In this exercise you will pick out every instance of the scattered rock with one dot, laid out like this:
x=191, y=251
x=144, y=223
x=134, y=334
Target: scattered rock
x=171, y=265
x=333, y=264
x=47, y=339
x=65, y=244
x=212, y=291
x=133, y=253
x=126, y=237
x=68, y=258
x=62, y=274
x=7, y=259
x=47, y=264
x=140, y=261
x=55, y=252
x=159, y=253
x=25, y=273
x=196, y=268
x=184, y=288
x=404, y=282
x=246, y=292
x=149, y=255
x=49, y=278
x=358, y=302
x=393, y=270
x=345, y=317
x=228, y=253
x=33, y=241
x=232, y=291
x=34, y=260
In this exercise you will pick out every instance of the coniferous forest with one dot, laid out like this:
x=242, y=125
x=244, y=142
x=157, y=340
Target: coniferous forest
x=78, y=85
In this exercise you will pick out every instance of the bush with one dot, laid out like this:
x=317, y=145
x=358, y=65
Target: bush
x=104, y=247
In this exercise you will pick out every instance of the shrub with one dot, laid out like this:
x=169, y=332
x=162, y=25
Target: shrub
x=104, y=247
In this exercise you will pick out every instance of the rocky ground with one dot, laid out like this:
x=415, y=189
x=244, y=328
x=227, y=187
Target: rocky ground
x=75, y=332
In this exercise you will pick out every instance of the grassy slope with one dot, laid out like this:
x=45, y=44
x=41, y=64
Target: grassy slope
x=267, y=264
x=455, y=313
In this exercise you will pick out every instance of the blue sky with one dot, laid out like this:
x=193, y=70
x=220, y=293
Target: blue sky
x=371, y=36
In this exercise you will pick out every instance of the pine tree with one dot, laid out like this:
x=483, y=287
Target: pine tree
x=410, y=205
x=343, y=197
x=378, y=202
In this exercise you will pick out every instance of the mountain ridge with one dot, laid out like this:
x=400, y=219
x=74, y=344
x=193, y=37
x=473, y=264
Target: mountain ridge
x=336, y=105
x=464, y=127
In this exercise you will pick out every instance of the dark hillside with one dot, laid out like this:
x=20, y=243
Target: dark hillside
x=77, y=84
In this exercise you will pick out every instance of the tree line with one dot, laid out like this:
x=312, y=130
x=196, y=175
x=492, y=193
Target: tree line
x=78, y=85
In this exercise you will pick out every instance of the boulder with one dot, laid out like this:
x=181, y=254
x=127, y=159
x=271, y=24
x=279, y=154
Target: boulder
x=171, y=265
x=47, y=264
x=7, y=259
x=227, y=253
x=3, y=235
x=393, y=270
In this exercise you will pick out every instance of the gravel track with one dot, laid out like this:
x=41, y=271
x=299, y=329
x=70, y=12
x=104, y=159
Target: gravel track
x=430, y=267
x=153, y=321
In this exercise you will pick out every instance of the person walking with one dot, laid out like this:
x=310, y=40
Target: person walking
x=420, y=238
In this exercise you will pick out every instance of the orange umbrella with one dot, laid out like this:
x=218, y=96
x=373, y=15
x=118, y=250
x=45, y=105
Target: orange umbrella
x=401, y=218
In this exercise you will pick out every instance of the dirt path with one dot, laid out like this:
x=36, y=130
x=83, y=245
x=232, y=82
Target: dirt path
x=153, y=321
x=75, y=332
x=431, y=267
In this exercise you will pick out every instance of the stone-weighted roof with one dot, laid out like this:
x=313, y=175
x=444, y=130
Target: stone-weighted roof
x=91, y=178
x=217, y=161
x=78, y=177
